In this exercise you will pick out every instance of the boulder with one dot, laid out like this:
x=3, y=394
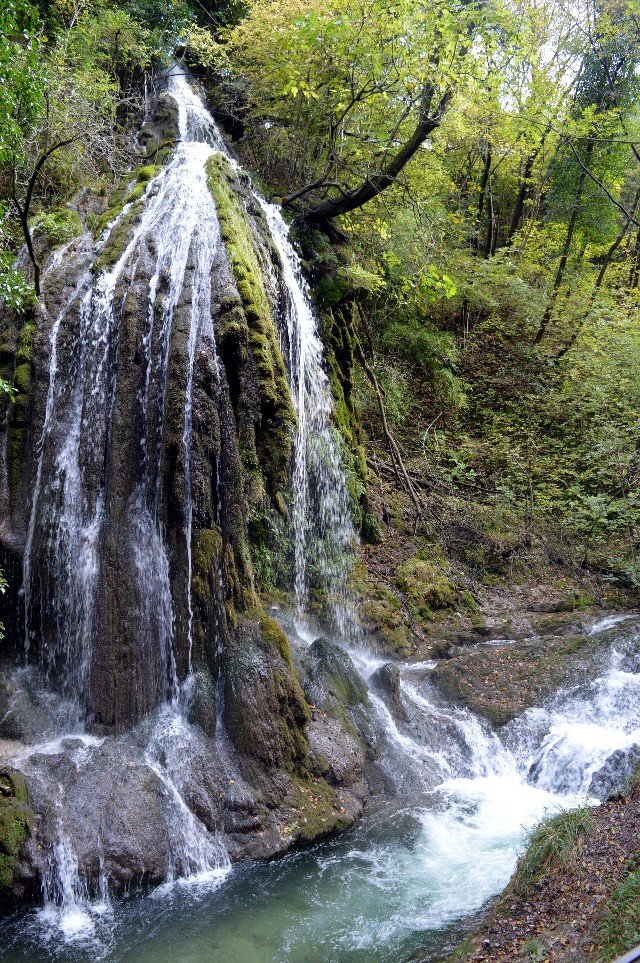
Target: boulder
x=386, y=680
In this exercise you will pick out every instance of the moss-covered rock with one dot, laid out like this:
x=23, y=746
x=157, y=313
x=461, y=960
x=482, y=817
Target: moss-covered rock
x=206, y=563
x=16, y=819
x=340, y=346
x=425, y=586
x=500, y=683
x=333, y=680
x=318, y=810
x=265, y=710
x=381, y=617
x=118, y=238
x=160, y=133
x=248, y=326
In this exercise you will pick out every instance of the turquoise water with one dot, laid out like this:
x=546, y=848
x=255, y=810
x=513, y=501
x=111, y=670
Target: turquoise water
x=398, y=882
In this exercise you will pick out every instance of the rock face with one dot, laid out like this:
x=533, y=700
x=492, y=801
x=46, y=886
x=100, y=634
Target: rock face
x=618, y=769
x=142, y=441
x=387, y=680
x=147, y=468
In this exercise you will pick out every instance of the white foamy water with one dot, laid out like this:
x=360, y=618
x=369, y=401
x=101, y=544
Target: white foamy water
x=324, y=535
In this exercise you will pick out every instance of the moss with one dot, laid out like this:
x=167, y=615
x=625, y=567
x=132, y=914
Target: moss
x=59, y=226
x=275, y=638
x=136, y=193
x=15, y=822
x=425, y=587
x=133, y=189
x=206, y=555
x=331, y=289
x=499, y=715
x=282, y=507
x=468, y=602
x=340, y=359
x=316, y=810
x=275, y=635
x=575, y=643
x=251, y=326
x=163, y=151
x=265, y=709
x=118, y=239
x=343, y=687
x=147, y=173
x=22, y=377
x=382, y=616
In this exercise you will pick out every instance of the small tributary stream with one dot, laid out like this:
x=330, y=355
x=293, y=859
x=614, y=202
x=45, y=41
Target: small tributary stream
x=429, y=853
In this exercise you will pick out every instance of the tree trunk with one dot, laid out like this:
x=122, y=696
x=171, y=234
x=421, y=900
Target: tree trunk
x=565, y=251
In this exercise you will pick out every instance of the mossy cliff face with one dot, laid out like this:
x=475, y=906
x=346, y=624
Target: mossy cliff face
x=246, y=331
x=242, y=419
x=16, y=821
x=218, y=511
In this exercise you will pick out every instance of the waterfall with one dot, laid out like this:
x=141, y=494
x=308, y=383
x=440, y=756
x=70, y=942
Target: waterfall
x=98, y=555
x=470, y=789
x=324, y=536
x=178, y=222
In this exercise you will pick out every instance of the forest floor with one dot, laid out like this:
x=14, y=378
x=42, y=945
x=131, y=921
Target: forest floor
x=460, y=577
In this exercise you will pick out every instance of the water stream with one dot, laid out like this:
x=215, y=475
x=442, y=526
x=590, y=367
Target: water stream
x=442, y=837
x=420, y=862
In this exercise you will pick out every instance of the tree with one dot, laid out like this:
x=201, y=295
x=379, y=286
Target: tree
x=346, y=95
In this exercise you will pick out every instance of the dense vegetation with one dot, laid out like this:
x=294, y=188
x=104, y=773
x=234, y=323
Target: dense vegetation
x=483, y=159
x=464, y=177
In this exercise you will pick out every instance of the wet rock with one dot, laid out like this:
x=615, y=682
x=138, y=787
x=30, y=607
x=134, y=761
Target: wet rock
x=334, y=753
x=202, y=708
x=161, y=131
x=617, y=770
x=332, y=682
x=134, y=828
x=386, y=680
x=500, y=681
x=26, y=713
x=265, y=711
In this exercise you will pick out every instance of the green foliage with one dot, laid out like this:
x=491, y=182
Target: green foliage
x=15, y=291
x=72, y=81
x=58, y=226
x=21, y=76
x=342, y=82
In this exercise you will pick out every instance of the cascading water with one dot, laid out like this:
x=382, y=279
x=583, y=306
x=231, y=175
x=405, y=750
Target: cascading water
x=179, y=221
x=429, y=855
x=457, y=797
x=178, y=232
x=324, y=536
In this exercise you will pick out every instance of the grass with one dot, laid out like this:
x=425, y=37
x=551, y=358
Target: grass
x=551, y=846
x=533, y=950
x=620, y=921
